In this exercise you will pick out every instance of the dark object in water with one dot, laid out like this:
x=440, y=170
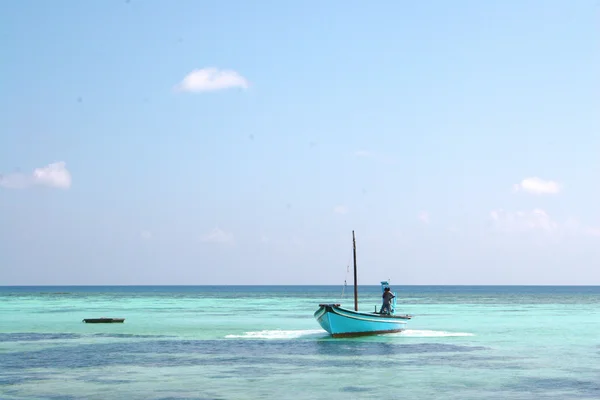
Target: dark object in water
x=102, y=320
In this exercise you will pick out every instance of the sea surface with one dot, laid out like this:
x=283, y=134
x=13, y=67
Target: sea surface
x=262, y=342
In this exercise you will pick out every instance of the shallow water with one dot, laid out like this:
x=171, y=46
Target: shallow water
x=263, y=342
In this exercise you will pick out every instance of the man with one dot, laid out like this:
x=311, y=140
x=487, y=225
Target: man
x=387, y=301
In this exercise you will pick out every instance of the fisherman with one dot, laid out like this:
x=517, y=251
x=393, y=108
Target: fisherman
x=387, y=301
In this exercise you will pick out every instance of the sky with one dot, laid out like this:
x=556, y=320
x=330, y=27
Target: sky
x=236, y=142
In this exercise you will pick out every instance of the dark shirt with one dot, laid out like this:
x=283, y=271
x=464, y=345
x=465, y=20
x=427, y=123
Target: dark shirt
x=387, y=297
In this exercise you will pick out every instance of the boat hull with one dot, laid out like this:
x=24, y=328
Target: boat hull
x=340, y=322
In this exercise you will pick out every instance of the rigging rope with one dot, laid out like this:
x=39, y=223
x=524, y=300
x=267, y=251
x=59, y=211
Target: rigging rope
x=345, y=279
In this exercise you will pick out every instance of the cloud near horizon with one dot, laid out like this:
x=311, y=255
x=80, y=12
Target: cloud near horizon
x=340, y=209
x=538, y=220
x=217, y=235
x=363, y=153
x=424, y=217
x=593, y=231
x=522, y=221
x=54, y=175
x=212, y=79
x=535, y=185
x=374, y=156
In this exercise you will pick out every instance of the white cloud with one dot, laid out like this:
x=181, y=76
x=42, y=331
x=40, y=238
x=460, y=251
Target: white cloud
x=374, y=156
x=53, y=175
x=522, y=221
x=424, y=217
x=217, y=236
x=211, y=79
x=536, y=185
x=146, y=235
x=296, y=242
x=538, y=220
x=280, y=241
x=265, y=239
x=593, y=231
x=340, y=209
x=363, y=153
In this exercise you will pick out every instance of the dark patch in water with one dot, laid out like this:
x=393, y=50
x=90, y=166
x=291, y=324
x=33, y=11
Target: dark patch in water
x=10, y=392
x=330, y=347
x=221, y=376
x=130, y=335
x=342, y=354
x=190, y=398
x=473, y=361
x=354, y=389
x=33, y=337
x=106, y=381
x=582, y=388
x=17, y=379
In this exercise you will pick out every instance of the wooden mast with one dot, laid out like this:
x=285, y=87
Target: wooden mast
x=355, y=284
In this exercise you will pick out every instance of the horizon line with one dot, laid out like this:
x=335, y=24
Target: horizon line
x=283, y=284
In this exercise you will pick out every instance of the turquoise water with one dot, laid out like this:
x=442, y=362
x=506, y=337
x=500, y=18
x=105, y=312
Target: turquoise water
x=263, y=343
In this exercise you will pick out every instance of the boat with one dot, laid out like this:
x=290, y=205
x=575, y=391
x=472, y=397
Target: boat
x=103, y=320
x=342, y=322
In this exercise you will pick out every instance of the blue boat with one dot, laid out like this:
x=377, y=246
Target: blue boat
x=342, y=322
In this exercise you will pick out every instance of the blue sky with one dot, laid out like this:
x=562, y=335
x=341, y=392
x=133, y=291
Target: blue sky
x=232, y=142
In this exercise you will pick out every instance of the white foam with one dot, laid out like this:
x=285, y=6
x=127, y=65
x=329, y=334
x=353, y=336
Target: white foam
x=426, y=333
x=276, y=334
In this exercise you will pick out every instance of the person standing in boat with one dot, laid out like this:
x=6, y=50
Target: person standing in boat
x=387, y=301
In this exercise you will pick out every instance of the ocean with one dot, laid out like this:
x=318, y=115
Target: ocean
x=262, y=342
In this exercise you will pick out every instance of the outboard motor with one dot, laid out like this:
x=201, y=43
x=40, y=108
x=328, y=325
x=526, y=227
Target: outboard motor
x=385, y=284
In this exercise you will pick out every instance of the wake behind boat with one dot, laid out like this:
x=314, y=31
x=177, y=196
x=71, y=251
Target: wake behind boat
x=341, y=322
